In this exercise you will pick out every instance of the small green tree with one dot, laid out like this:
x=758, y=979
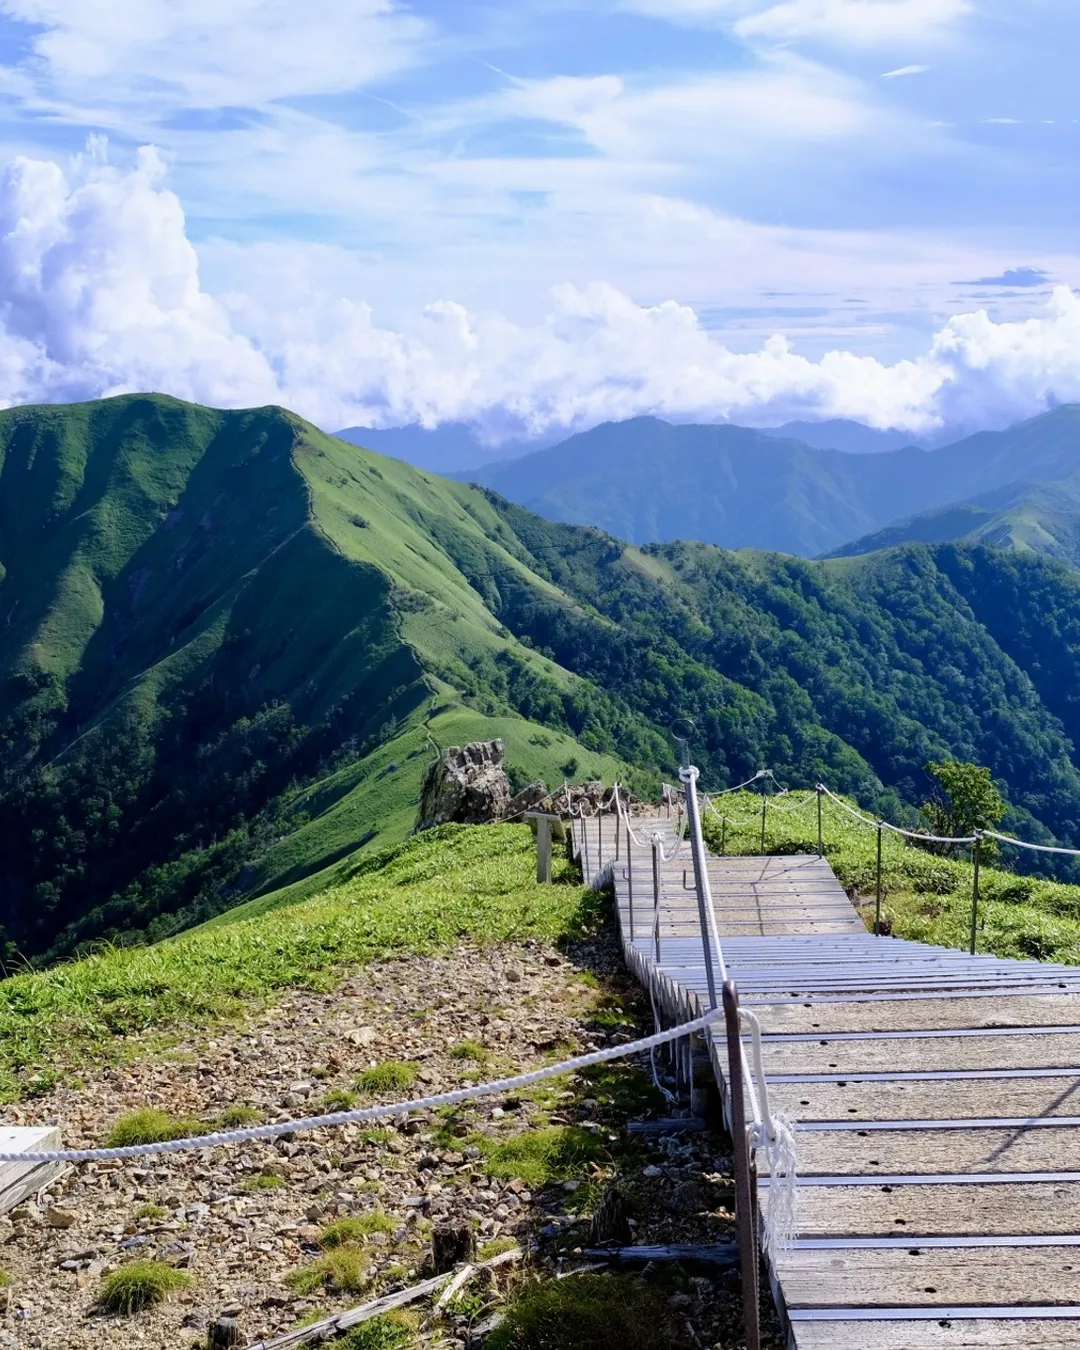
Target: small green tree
x=963, y=799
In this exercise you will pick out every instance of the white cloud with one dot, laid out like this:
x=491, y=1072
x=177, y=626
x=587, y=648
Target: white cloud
x=845, y=22
x=208, y=54
x=903, y=71
x=101, y=293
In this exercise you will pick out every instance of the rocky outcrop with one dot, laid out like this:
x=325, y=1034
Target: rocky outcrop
x=467, y=785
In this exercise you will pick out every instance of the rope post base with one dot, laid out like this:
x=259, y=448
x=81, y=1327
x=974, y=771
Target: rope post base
x=745, y=1179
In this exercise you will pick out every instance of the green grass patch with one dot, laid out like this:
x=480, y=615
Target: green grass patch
x=443, y=886
x=148, y=1125
x=338, y=1271
x=495, y=1247
x=392, y=1076
x=355, y=1228
x=237, y=1118
x=539, y=1157
x=926, y=897
x=142, y=1284
x=150, y=1212
x=265, y=1181
x=6, y=1279
x=339, y=1099
x=392, y=1331
x=589, y=1312
x=470, y=1050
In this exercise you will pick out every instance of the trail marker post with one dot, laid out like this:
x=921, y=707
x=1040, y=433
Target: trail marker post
x=546, y=825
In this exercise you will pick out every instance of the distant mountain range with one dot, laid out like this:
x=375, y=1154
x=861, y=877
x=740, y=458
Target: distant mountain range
x=649, y=481
x=1038, y=517
x=458, y=446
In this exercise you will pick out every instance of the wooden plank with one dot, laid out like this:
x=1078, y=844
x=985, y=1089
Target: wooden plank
x=1006, y=1210
x=931, y=1152
x=1015, y=1011
x=930, y=1277
x=950, y=1099
x=975, y=1052
x=958, y=1335
x=20, y=1180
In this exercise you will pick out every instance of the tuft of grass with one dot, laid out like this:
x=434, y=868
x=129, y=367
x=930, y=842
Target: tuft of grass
x=340, y=1271
x=237, y=1117
x=539, y=1157
x=6, y=1279
x=392, y=1076
x=391, y=1331
x=150, y=1212
x=142, y=1284
x=339, y=1099
x=590, y=1312
x=355, y=1228
x=148, y=1125
x=494, y=1246
x=469, y=1049
x=265, y=1181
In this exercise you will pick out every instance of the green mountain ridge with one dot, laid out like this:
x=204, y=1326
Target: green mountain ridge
x=231, y=643
x=648, y=481
x=1039, y=517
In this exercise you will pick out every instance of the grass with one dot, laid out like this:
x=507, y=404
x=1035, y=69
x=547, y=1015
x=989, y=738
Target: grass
x=447, y=885
x=540, y=1156
x=495, y=1247
x=341, y=1270
x=355, y=1228
x=391, y=1076
x=142, y=1284
x=6, y=1279
x=392, y=1331
x=237, y=1118
x=265, y=1181
x=339, y=1099
x=926, y=897
x=150, y=1212
x=469, y=1049
x=590, y=1312
x=148, y=1125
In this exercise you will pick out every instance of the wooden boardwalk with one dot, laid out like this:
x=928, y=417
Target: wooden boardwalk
x=936, y=1095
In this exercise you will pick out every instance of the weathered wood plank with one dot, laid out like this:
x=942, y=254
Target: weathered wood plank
x=930, y=1277
x=952, y=1099
x=969, y=1052
x=19, y=1180
x=936, y=1152
x=935, y=1335
x=939, y=1013
x=1005, y=1209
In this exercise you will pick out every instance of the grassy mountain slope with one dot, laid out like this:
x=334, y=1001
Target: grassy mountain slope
x=199, y=622
x=648, y=481
x=1038, y=517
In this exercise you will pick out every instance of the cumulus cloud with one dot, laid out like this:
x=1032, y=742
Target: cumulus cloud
x=100, y=293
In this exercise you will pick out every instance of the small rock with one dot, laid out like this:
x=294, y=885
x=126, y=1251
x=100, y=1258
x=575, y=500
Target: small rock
x=59, y=1218
x=512, y=976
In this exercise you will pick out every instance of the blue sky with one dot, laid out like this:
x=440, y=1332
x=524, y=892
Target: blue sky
x=606, y=204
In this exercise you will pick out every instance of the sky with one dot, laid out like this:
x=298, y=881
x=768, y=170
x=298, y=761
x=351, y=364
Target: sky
x=538, y=216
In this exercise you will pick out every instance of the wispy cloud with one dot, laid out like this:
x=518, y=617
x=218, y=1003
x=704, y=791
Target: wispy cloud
x=1018, y=277
x=845, y=22
x=904, y=71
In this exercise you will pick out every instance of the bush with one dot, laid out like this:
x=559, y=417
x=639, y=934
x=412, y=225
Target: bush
x=142, y=1284
x=392, y=1331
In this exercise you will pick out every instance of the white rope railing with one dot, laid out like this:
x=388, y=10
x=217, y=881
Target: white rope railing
x=919, y=835
x=1023, y=843
x=453, y=1098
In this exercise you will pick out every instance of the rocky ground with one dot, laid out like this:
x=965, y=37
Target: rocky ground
x=241, y=1220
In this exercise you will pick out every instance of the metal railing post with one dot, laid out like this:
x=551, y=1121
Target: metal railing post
x=877, y=907
x=656, y=895
x=585, y=844
x=764, y=803
x=599, y=838
x=745, y=1200
x=820, y=845
x=698, y=853
x=975, y=850
x=723, y=836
